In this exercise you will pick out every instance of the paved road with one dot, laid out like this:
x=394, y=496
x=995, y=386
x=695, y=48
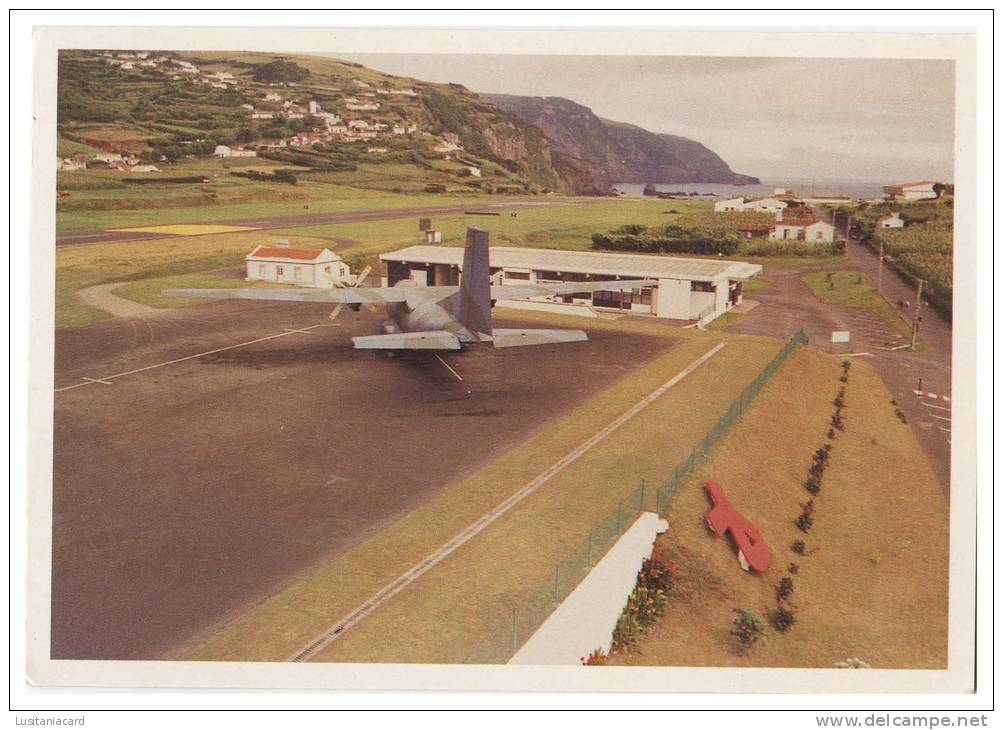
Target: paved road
x=789, y=305
x=103, y=297
x=79, y=238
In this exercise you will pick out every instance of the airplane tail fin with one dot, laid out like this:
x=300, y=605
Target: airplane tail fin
x=474, y=306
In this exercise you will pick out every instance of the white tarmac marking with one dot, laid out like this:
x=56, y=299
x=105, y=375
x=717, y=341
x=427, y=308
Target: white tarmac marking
x=106, y=378
x=390, y=590
x=940, y=418
x=945, y=430
x=290, y=330
x=931, y=405
x=448, y=367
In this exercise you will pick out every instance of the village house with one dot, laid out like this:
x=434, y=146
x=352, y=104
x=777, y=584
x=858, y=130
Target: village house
x=802, y=228
x=280, y=263
x=222, y=151
x=892, y=220
x=765, y=205
x=754, y=230
x=732, y=205
x=921, y=190
x=71, y=163
x=362, y=107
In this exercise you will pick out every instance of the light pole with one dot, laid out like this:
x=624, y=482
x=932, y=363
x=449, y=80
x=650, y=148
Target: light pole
x=881, y=262
x=915, y=317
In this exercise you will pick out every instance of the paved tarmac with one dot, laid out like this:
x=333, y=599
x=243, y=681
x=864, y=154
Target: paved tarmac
x=189, y=486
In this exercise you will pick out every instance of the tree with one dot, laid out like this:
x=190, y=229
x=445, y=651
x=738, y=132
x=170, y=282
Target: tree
x=279, y=72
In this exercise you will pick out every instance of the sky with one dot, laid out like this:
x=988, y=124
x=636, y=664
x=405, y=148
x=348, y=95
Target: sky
x=868, y=120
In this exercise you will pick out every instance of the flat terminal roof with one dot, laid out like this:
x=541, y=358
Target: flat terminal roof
x=586, y=262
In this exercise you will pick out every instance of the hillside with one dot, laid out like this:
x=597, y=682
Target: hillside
x=318, y=116
x=606, y=152
x=320, y=119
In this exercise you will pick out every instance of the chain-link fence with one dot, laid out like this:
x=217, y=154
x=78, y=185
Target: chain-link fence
x=681, y=473
x=532, y=610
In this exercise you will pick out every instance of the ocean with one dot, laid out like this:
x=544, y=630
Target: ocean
x=720, y=191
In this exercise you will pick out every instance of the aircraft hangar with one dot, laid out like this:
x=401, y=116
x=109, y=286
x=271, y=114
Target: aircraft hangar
x=687, y=289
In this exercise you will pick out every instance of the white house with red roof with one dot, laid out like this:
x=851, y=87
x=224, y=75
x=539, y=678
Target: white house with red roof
x=280, y=263
x=802, y=228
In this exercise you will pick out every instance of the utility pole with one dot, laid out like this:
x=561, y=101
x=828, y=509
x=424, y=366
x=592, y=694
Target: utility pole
x=881, y=262
x=915, y=317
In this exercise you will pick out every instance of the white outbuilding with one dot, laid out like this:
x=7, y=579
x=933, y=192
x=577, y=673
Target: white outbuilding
x=319, y=268
x=919, y=190
x=892, y=220
x=766, y=205
x=732, y=205
x=686, y=289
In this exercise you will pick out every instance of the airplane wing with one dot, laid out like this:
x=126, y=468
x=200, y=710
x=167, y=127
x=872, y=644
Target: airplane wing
x=432, y=340
x=349, y=295
x=518, y=338
x=352, y=295
x=524, y=291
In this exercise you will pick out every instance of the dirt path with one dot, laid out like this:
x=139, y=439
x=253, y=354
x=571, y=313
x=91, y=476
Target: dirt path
x=103, y=297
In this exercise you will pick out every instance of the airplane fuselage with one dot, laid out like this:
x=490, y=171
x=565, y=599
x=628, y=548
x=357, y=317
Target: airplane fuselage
x=422, y=315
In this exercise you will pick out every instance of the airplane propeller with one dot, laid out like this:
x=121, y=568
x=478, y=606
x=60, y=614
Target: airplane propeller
x=341, y=285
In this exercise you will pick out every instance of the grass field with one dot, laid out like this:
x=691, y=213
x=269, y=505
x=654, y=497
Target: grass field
x=459, y=606
x=853, y=289
x=874, y=585
x=78, y=267
x=565, y=227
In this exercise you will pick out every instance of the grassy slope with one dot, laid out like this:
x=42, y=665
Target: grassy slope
x=876, y=587
x=457, y=608
x=852, y=289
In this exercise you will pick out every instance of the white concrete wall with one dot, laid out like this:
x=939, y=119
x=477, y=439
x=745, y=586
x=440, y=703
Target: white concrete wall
x=672, y=299
x=585, y=620
x=577, y=310
x=699, y=301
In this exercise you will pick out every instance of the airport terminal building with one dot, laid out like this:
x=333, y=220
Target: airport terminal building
x=687, y=289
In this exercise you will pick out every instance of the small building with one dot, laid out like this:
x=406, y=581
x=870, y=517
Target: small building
x=686, y=289
x=318, y=268
x=754, y=230
x=920, y=190
x=222, y=151
x=142, y=167
x=805, y=229
x=732, y=205
x=433, y=236
x=71, y=163
x=765, y=205
x=892, y=220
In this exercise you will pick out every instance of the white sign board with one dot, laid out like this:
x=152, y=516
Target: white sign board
x=840, y=337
